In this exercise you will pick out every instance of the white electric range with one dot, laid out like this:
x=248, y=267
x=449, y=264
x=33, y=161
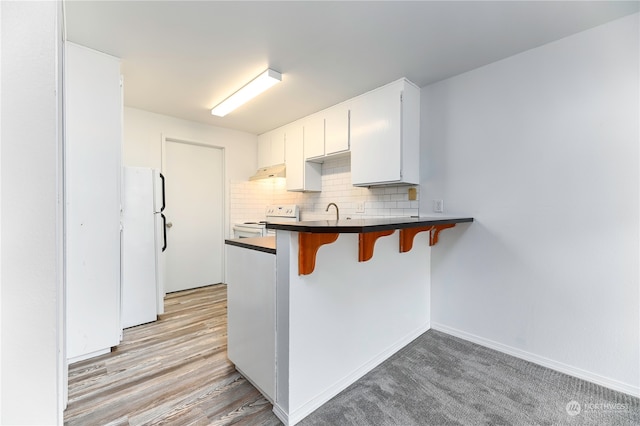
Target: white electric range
x=258, y=228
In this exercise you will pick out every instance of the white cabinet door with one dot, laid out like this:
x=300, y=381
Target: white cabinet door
x=264, y=150
x=277, y=147
x=93, y=121
x=375, y=137
x=336, y=129
x=271, y=148
x=385, y=136
x=314, y=137
x=301, y=175
x=251, y=301
x=295, y=161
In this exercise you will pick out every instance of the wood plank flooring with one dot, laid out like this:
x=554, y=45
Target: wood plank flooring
x=172, y=371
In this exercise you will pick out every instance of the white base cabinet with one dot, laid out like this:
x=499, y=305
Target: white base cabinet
x=93, y=142
x=385, y=136
x=251, y=300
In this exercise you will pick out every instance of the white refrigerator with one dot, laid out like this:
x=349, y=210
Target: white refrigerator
x=144, y=239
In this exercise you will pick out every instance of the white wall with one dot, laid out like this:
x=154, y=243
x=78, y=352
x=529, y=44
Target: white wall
x=542, y=149
x=31, y=285
x=346, y=317
x=144, y=132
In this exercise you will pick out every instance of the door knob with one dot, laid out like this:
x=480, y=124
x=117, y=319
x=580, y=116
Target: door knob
x=169, y=224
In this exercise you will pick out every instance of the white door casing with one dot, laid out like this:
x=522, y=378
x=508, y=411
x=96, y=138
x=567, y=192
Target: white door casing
x=195, y=213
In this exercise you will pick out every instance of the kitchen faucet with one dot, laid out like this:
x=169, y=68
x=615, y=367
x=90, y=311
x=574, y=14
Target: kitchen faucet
x=337, y=211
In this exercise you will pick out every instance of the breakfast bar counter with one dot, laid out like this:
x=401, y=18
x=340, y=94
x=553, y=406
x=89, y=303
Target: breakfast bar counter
x=313, y=234
x=356, y=226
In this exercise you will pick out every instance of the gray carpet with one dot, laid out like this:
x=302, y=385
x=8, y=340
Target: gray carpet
x=442, y=380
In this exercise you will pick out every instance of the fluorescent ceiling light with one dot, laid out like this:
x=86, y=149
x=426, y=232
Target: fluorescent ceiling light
x=248, y=92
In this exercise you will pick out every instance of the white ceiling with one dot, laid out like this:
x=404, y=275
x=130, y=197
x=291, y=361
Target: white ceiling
x=181, y=58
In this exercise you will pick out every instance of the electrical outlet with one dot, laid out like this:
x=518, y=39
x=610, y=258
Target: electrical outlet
x=360, y=208
x=438, y=206
x=413, y=194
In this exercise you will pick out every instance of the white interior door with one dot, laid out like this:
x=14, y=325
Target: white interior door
x=194, y=211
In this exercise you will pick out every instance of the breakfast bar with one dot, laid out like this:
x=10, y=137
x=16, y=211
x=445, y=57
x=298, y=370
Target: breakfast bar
x=349, y=294
x=313, y=234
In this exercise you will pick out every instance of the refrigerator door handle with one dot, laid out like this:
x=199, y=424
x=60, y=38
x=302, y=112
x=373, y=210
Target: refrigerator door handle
x=164, y=231
x=163, y=200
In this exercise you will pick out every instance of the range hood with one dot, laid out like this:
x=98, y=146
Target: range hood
x=270, y=172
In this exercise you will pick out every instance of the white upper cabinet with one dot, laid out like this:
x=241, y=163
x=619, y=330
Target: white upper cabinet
x=264, y=150
x=385, y=132
x=301, y=175
x=380, y=129
x=327, y=133
x=294, y=161
x=313, y=136
x=277, y=147
x=336, y=129
x=271, y=148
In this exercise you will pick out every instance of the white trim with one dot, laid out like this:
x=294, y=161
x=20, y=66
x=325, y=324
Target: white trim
x=540, y=360
x=61, y=289
x=281, y=414
x=315, y=403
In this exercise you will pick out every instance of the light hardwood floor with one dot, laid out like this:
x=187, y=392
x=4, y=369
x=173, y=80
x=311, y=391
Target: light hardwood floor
x=172, y=371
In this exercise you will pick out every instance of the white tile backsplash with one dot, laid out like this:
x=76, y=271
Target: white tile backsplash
x=248, y=199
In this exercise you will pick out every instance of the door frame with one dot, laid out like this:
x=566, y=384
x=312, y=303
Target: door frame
x=224, y=189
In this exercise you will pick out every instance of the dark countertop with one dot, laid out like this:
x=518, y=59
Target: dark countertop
x=357, y=226
x=264, y=244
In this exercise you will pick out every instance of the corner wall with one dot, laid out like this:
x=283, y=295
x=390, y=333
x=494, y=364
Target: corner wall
x=31, y=290
x=542, y=149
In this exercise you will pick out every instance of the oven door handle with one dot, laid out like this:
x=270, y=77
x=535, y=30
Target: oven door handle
x=243, y=232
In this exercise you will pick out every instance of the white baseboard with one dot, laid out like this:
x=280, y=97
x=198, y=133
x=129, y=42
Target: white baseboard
x=281, y=414
x=290, y=419
x=540, y=360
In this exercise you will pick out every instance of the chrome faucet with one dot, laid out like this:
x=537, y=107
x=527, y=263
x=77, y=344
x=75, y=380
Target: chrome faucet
x=337, y=211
